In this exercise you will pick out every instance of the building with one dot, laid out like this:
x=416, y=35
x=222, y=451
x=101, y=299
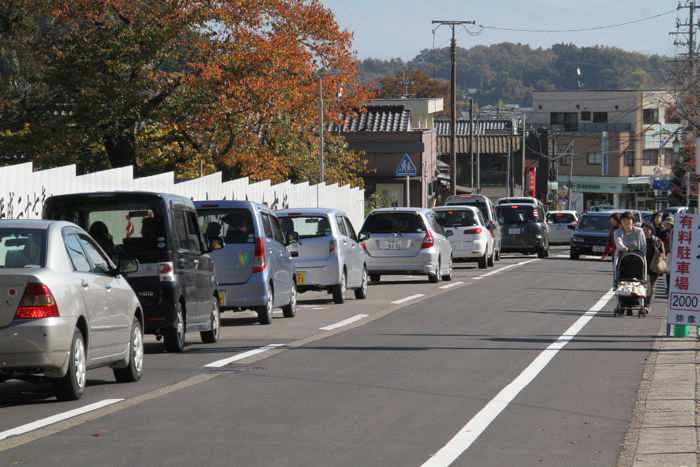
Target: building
x=608, y=146
x=384, y=132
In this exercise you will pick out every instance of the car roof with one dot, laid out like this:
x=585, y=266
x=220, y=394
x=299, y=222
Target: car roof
x=37, y=224
x=404, y=210
x=456, y=208
x=310, y=211
x=562, y=212
x=597, y=213
x=105, y=194
x=518, y=204
x=230, y=204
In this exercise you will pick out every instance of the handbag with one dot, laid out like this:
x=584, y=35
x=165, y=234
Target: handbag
x=659, y=262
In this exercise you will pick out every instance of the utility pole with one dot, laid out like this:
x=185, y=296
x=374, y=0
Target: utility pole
x=471, y=141
x=522, y=171
x=321, y=130
x=453, y=94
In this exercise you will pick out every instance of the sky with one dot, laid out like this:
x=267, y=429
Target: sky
x=402, y=28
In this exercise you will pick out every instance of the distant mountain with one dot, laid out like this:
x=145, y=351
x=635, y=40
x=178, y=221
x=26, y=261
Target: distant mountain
x=509, y=72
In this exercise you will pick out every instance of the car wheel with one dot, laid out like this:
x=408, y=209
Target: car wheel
x=448, y=277
x=290, y=310
x=265, y=311
x=375, y=278
x=133, y=371
x=174, y=338
x=492, y=259
x=72, y=385
x=212, y=335
x=435, y=278
x=339, y=290
x=361, y=292
x=573, y=255
x=542, y=253
x=483, y=262
x=498, y=255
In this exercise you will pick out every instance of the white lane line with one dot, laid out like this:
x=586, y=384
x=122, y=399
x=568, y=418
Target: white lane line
x=242, y=355
x=344, y=322
x=20, y=430
x=407, y=299
x=472, y=430
x=505, y=268
x=561, y=256
x=453, y=284
x=318, y=308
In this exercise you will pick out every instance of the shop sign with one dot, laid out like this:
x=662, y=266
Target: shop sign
x=684, y=295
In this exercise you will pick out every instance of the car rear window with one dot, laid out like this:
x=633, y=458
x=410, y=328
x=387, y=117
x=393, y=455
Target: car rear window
x=457, y=218
x=394, y=222
x=475, y=202
x=594, y=223
x=306, y=226
x=517, y=214
x=22, y=248
x=232, y=226
x=561, y=218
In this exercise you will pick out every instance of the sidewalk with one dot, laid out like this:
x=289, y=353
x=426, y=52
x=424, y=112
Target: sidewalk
x=664, y=430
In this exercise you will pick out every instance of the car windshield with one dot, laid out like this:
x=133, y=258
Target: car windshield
x=393, y=222
x=516, y=214
x=22, y=248
x=306, y=226
x=232, y=226
x=560, y=218
x=594, y=223
x=124, y=227
x=457, y=218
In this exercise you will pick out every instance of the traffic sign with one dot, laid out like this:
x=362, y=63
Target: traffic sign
x=406, y=167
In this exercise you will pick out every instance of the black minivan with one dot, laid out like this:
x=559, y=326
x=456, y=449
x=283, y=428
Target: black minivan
x=175, y=279
x=523, y=229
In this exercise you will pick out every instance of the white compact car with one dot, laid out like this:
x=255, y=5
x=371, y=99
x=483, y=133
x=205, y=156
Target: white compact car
x=468, y=233
x=561, y=226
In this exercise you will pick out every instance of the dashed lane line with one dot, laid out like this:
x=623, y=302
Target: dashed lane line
x=505, y=268
x=240, y=356
x=453, y=284
x=407, y=299
x=343, y=323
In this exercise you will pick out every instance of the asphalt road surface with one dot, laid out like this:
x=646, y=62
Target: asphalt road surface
x=521, y=364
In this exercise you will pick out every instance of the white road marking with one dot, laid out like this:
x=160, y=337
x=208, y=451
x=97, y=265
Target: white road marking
x=505, y=268
x=318, y=308
x=20, y=430
x=560, y=256
x=407, y=299
x=242, y=355
x=344, y=322
x=453, y=284
x=472, y=430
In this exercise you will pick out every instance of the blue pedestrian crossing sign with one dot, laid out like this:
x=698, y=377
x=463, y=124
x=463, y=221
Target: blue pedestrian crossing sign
x=406, y=167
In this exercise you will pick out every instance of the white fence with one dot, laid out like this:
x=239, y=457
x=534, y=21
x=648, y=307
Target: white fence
x=23, y=191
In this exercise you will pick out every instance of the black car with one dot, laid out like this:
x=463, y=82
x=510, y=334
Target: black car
x=175, y=279
x=523, y=229
x=591, y=235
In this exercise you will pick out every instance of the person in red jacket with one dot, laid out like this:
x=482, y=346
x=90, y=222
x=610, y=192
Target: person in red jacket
x=610, y=246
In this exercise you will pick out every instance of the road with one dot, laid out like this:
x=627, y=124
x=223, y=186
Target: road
x=473, y=372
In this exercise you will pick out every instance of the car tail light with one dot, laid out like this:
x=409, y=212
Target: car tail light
x=428, y=241
x=37, y=303
x=166, y=272
x=259, y=256
x=331, y=247
x=473, y=231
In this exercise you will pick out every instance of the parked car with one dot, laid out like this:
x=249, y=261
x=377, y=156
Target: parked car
x=647, y=216
x=559, y=226
x=253, y=267
x=466, y=230
x=175, y=279
x=326, y=253
x=487, y=210
x=66, y=308
x=524, y=229
x=406, y=241
x=591, y=235
x=637, y=214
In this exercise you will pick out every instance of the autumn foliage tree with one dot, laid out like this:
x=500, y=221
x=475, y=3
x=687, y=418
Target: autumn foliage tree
x=413, y=83
x=165, y=84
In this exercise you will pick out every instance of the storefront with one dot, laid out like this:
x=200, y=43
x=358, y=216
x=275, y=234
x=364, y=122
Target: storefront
x=621, y=192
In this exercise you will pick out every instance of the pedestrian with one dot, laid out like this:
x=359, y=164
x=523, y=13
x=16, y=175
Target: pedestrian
x=668, y=238
x=659, y=228
x=655, y=255
x=614, y=220
x=628, y=237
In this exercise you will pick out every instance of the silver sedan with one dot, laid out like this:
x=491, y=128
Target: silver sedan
x=64, y=308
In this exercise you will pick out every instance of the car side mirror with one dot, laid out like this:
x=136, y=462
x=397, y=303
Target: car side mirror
x=128, y=266
x=362, y=237
x=292, y=238
x=449, y=233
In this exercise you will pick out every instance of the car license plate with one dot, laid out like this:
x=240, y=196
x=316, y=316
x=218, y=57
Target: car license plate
x=393, y=245
x=515, y=231
x=222, y=298
x=598, y=249
x=301, y=278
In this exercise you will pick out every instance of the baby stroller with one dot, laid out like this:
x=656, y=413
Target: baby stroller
x=631, y=284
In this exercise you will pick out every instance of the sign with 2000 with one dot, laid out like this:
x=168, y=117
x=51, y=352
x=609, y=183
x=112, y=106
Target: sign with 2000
x=684, y=253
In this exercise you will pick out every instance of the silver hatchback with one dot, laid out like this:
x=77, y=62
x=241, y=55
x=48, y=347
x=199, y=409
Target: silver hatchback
x=64, y=308
x=325, y=251
x=406, y=241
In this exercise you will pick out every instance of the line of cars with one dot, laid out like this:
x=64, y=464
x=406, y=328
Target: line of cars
x=79, y=289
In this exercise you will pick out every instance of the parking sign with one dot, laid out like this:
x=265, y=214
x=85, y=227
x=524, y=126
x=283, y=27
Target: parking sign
x=684, y=294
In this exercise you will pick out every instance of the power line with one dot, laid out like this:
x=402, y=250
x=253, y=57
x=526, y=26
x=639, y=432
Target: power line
x=593, y=28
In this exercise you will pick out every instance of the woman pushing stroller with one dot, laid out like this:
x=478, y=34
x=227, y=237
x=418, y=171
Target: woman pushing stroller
x=631, y=266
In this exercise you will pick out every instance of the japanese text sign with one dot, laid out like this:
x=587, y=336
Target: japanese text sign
x=684, y=254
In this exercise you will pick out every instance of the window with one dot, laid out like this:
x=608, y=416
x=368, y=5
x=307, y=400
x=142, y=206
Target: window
x=600, y=117
x=390, y=222
x=569, y=120
x=235, y=226
x=585, y=116
x=195, y=240
x=181, y=229
x=277, y=230
x=629, y=158
x=457, y=218
x=595, y=158
x=350, y=229
x=341, y=225
x=76, y=253
x=306, y=226
x=650, y=157
x=560, y=218
x=435, y=224
x=267, y=226
x=100, y=265
x=651, y=116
